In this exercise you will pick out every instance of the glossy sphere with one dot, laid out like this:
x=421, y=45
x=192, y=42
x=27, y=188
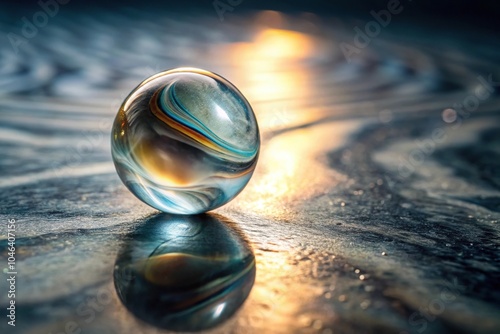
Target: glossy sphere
x=185, y=141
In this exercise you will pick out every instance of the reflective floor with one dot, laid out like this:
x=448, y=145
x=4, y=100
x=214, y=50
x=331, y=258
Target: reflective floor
x=374, y=208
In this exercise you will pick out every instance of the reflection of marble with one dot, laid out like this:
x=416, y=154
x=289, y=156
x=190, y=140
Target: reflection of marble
x=185, y=141
x=185, y=273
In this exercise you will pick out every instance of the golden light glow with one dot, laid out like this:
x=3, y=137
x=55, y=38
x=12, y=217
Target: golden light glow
x=271, y=70
x=292, y=169
x=163, y=167
x=269, y=66
x=271, y=303
x=178, y=269
x=277, y=43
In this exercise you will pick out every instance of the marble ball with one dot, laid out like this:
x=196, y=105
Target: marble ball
x=185, y=141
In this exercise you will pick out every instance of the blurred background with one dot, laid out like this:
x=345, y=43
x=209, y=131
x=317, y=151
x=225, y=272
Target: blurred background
x=374, y=207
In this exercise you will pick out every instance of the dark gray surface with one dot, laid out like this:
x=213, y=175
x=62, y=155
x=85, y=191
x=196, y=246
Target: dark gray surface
x=352, y=229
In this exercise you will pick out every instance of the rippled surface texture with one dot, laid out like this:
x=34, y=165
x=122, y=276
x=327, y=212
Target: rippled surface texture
x=374, y=207
x=185, y=141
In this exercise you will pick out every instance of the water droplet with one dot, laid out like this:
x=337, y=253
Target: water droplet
x=317, y=324
x=365, y=304
x=328, y=295
x=449, y=115
x=385, y=116
x=369, y=288
x=304, y=320
x=194, y=280
x=384, y=254
x=342, y=204
x=342, y=298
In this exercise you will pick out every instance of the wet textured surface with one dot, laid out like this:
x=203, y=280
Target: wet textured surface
x=374, y=208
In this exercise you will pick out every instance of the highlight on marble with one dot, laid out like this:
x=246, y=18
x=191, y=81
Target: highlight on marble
x=185, y=141
x=185, y=273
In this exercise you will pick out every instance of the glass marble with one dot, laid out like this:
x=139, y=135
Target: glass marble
x=185, y=141
x=185, y=273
